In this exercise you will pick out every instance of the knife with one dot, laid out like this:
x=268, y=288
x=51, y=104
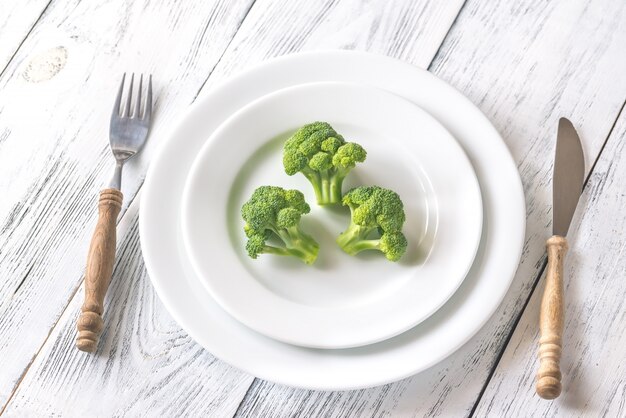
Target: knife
x=567, y=185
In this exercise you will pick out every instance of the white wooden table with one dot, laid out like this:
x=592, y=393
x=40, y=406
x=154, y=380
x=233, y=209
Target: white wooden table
x=525, y=63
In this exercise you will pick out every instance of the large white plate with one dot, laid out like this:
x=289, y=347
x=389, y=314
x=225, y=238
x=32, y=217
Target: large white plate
x=413, y=351
x=340, y=301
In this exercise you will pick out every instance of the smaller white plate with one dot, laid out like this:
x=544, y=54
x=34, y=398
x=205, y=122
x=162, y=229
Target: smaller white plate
x=340, y=301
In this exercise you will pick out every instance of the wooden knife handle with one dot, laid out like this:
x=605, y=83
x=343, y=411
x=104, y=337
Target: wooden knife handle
x=551, y=322
x=99, y=268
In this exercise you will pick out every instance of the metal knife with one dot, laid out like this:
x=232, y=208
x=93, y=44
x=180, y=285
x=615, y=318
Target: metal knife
x=567, y=185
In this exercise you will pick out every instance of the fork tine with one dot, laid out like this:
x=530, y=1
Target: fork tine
x=136, y=113
x=118, y=100
x=147, y=113
x=130, y=96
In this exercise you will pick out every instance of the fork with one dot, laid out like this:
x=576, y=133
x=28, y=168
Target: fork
x=127, y=135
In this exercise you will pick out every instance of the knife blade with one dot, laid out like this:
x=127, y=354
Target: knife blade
x=569, y=175
x=567, y=185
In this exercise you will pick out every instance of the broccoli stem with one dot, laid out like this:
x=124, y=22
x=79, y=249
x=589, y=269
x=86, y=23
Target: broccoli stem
x=307, y=256
x=297, y=243
x=354, y=239
x=270, y=249
x=357, y=247
x=326, y=184
x=316, y=181
x=336, y=183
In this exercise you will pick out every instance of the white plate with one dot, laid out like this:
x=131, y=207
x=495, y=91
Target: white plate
x=340, y=301
x=413, y=351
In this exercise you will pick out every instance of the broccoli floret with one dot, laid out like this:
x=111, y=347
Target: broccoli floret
x=374, y=211
x=324, y=157
x=275, y=211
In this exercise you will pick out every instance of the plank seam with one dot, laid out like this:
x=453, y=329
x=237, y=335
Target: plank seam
x=538, y=278
x=217, y=63
x=10, y=60
x=32, y=360
x=120, y=218
x=30, y=269
x=245, y=397
x=443, y=41
x=508, y=339
x=69, y=301
x=595, y=162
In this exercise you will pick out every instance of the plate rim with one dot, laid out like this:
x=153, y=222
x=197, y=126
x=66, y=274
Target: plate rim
x=179, y=311
x=290, y=332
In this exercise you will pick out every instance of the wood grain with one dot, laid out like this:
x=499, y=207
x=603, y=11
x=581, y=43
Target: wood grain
x=525, y=64
x=407, y=30
x=55, y=103
x=551, y=321
x=146, y=366
x=100, y=260
x=296, y=22
x=17, y=18
x=595, y=305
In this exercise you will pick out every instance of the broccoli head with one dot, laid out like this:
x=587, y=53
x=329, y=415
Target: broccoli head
x=376, y=224
x=324, y=157
x=274, y=211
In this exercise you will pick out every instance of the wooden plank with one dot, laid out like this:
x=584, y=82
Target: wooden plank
x=594, y=341
x=407, y=30
x=445, y=384
x=55, y=102
x=148, y=366
x=126, y=306
x=525, y=64
x=17, y=18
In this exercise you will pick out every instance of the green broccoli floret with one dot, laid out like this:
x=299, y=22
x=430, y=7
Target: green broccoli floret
x=275, y=211
x=324, y=157
x=374, y=211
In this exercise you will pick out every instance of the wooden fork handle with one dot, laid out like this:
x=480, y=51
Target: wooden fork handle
x=99, y=268
x=551, y=322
